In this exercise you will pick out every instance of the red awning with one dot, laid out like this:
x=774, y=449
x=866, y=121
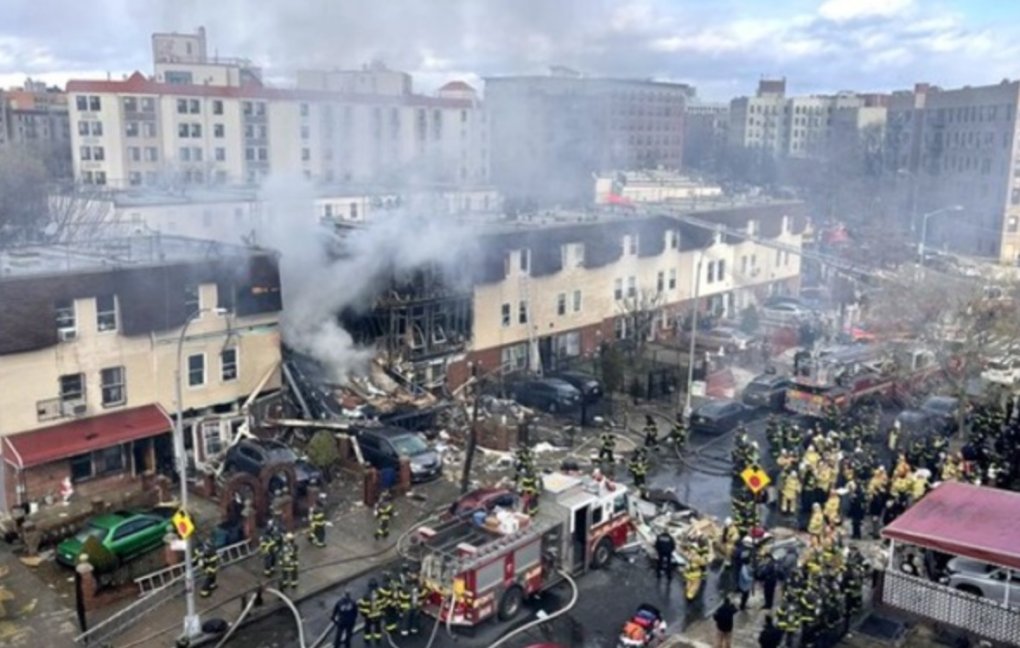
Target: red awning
x=77, y=437
x=964, y=520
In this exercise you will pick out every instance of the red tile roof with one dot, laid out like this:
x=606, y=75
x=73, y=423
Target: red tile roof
x=457, y=85
x=137, y=83
x=73, y=438
x=964, y=520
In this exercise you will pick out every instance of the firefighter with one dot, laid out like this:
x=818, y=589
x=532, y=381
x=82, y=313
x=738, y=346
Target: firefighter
x=607, y=447
x=787, y=620
x=524, y=463
x=209, y=563
x=371, y=606
x=411, y=604
x=269, y=547
x=529, y=493
x=390, y=605
x=317, y=526
x=678, y=435
x=951, y=470
x=832, y=509
x=774, y=436
x=790, y=491
x=728, y=540
x=638, y=467
x=665, y=545
x=694, y=574
x=651, y=433
x=289, y=562
x=816, y=523
x=383, y=513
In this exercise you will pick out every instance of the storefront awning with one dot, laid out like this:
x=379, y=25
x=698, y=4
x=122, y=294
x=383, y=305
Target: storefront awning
x=964, y=520
x=77, y=437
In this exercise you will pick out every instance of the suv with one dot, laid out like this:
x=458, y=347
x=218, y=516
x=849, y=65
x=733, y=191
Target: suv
x=252, y=455
x=549, y=394
x=383, y=447
x=588, y=385
x=767, y=390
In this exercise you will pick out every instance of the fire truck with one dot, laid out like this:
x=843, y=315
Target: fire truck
x=842, y=376
x=476, y=568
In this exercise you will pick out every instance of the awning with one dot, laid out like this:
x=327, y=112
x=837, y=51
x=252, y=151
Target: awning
x=964, y=520
x=76, y=437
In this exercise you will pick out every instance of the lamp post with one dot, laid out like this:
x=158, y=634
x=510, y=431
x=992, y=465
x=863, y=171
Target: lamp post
x=924, y=228
x=694, y=335
x=192, y=624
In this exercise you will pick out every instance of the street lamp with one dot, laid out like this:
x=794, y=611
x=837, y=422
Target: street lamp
x=924, y=228
x=694, y=335
x=192, y=624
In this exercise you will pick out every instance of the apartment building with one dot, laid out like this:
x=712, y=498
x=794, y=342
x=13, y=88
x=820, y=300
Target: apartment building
x=34, y=121
x=201, y=120
x=550, y=133
x=560, y=286
x=650, y=186
x=705, y=133
x=89, y=341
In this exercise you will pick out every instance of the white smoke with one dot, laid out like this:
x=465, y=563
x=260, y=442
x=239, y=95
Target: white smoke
x=321, y=278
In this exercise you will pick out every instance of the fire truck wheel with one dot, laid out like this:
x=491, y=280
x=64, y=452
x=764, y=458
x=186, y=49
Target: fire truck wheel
x=510, y=603
x=603, y=552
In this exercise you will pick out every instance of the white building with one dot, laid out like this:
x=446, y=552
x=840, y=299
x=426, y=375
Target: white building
x=650, y=187
x=204, y=120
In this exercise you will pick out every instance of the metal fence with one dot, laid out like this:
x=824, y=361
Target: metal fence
x=980, y=616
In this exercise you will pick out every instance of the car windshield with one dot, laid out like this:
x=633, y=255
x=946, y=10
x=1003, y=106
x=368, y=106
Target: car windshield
x=98, y=532
x=409, y=445
x=281, y=454
x=939, y=405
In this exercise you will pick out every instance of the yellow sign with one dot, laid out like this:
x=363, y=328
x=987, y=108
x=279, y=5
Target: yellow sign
x=755, y=478
x=183, y=524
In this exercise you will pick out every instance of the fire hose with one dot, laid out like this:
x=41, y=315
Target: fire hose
x=537, y=622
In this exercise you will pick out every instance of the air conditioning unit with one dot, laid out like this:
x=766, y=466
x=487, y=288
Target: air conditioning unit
x=73, y=408
x=67, y=335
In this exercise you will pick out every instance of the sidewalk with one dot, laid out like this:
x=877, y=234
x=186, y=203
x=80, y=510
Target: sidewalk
x=350, y=551
x=36, y=615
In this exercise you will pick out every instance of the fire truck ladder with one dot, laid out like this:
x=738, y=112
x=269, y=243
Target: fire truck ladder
x=163, y=578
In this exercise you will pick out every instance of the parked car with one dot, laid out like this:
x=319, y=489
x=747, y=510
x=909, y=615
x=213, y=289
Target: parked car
x=719, y=416
x=767, y=390
x=945, y=410
x=589, y=386
x=1003, y=371
x=125, y=534
x=549, y=394
x=728, y=338
x=785, y=311
x=252, y=455
x=981, y=579
x=383, y=447
x=917, y=424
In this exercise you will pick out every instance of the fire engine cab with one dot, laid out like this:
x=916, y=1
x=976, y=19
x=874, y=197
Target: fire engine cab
x=487, y=565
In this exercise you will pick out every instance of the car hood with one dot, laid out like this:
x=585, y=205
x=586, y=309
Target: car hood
x=428, y=458
x=70, y=548
x=969, y=566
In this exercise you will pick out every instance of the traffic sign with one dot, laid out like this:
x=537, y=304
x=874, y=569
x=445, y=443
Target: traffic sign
x=183, y=524
x=755, y=478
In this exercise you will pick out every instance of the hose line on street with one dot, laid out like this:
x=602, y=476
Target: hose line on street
x=297, y=615
x=527, y=626
x=237, y=624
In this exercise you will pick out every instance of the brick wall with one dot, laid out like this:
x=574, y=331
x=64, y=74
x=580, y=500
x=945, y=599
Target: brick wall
x=42, y=480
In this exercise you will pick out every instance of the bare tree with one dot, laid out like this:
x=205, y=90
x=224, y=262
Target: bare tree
x=79, y=212
x=640, y=312
x=24, y=185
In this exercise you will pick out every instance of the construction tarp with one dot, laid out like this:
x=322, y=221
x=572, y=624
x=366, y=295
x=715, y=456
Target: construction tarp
x=964, y=520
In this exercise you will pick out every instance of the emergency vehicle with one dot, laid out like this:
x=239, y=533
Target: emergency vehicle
x=480, y=567
x=842, y=376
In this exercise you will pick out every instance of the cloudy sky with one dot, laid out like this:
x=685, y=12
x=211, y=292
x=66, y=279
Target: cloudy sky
x=721, y=46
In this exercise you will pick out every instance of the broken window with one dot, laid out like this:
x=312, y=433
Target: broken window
x=561, y=304
x=228, y=364
x=660, y=281
x=522, y=312
x=632, y=286
x=106, y=313
x=64, y=309
x=192, y=300
x=505, y=315
x=672, y=278
x=618, y=289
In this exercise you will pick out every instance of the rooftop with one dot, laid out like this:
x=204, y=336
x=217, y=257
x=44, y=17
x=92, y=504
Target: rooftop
x=103, y=255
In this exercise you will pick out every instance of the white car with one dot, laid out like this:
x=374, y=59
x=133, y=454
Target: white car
x=1004, y=371
x=982, y=579
x=785, y=312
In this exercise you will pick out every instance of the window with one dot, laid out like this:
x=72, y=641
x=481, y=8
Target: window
x=134, y=178
x=674, y=239
x=505, y=315
x=263, y=155
x=221, y=154
x=184, y=154
x=151, y=154
x=182, y=130
x=72, y=388
x=672, y=278
x=212, y=438
x=306, y=154
x=94, y=104
x=82, y=103
x=304, y=132
x=304, y=110
x=228, y=364
x=577, y=301
x=147, y=104
x=108, y=460
x=217, y=107
x=218, y=130
x=786, y=258
x=249, y=154
x=522, y=312
x=81, y=468
x=561, y=304
x=193, y=106
x=721, y=269
x=182, y=106
x=111, y=381
x=618, y=289
x=83, y=127
x=149, y=129
x=86, y=153
x=660, y=281
x=525, y=259
x=196, y=130
x=131, y=130
x=64, y=312
x=100, y=177
x=196, y=154
x=106, y=313
x=710, y=272
x=97, y=128
x=135, y=153
x=196, y=370
x=98, y=154
x=192, y=299
x=632, y=286
x=260, y=109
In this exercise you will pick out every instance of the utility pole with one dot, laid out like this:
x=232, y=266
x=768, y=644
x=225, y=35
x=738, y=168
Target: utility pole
x=472, y=441
x=694, y=336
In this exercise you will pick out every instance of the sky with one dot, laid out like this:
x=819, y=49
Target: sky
x=722, y=47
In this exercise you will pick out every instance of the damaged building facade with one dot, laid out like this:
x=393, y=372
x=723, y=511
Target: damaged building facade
x=549, y=289
x=88, y=356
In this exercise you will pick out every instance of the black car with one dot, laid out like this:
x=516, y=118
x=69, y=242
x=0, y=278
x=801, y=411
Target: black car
x=944, y=410
x=252, y=455
x=719, y=416
x=383, y=447
x=766, y=390
x=549, y=394
x=587, y=384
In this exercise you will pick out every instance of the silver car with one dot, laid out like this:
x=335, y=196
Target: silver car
x=982, y=579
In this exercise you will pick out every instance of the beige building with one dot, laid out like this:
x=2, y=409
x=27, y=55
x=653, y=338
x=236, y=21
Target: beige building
x=88, y=357
x=203, y=120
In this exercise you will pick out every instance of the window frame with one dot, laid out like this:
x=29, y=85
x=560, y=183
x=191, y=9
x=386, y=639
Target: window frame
x=102, y=314
x=68, y=397
x=191, y=371
x=121, y=386
x=236, y=364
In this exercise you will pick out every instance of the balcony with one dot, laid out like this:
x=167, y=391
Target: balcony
x=52, y=409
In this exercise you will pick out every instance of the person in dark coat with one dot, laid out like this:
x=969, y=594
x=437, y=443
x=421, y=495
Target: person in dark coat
x=665, y=545
x=768, y=574
x=858, y=509
x=723, y=618
x=770, y=636
x=345, y=614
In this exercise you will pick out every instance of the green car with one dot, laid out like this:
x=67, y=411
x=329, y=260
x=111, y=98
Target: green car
x=126, y=534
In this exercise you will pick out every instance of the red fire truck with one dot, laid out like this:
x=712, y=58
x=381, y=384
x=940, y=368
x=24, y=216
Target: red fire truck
x=842, y=376
x=476, y=569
